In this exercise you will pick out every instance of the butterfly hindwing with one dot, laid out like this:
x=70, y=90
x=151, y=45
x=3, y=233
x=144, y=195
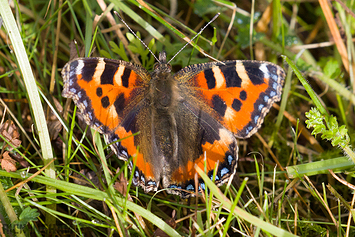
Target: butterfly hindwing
x=202, y=142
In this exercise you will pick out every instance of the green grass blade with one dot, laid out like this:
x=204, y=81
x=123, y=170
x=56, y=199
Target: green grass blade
x=308, y=88
x=33, y=95
x=240, y=213
x=319, y=167
x=88, y=192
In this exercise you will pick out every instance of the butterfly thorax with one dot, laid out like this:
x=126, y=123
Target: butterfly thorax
x=162, y=87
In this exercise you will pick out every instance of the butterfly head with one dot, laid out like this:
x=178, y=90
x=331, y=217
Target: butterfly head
x=162, y=66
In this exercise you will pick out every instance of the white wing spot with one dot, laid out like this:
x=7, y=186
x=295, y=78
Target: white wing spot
x=100, y=67
x=264, y=69
x=79, y=67
x=229, y=114
x=220, y=81
x=118, y=75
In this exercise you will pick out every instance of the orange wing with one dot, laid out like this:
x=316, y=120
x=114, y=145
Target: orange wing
x=104, y=90
x=239, y=93
x=111, y=95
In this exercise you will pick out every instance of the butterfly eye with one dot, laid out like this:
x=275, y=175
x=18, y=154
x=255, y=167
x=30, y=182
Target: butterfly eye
x=156, y=66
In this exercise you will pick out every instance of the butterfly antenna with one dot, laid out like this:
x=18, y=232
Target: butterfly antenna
x=212, y=20
x=129, y=28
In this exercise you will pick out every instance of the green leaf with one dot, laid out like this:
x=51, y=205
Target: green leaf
x=27, y=215
x=332, y=68
x=104, y=53
x=119, y=50
x=203, y=7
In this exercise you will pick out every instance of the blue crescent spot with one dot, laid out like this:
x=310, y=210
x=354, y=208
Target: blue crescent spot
x=72, y=73
x=224, y=171
x=230, y=159
x=248, y=129
x=266, y=98
x=260, y=107
x=202, y=186
x=274, y=77
x=216, y=178
x=123, y=152
x=256, y=118
x=153, y=183
x=275, y=85
x=90, y=115
x=190, y=187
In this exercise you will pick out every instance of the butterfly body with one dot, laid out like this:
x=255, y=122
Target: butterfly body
x=183, y=120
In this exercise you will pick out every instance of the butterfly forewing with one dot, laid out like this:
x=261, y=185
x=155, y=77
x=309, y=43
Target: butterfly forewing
x=238, y=93
x=105, y=90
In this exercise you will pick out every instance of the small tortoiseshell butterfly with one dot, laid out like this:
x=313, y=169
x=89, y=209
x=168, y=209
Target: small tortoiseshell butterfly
x=190, y=118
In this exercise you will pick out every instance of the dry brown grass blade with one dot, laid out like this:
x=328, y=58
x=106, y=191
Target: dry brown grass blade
x=262, y=25
x=320, y=198
x=349, y=185
x=31, y=177
x=119, y=33
x=348, y=225
x=335, y=33
x=55, y=56
x=277, y=162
